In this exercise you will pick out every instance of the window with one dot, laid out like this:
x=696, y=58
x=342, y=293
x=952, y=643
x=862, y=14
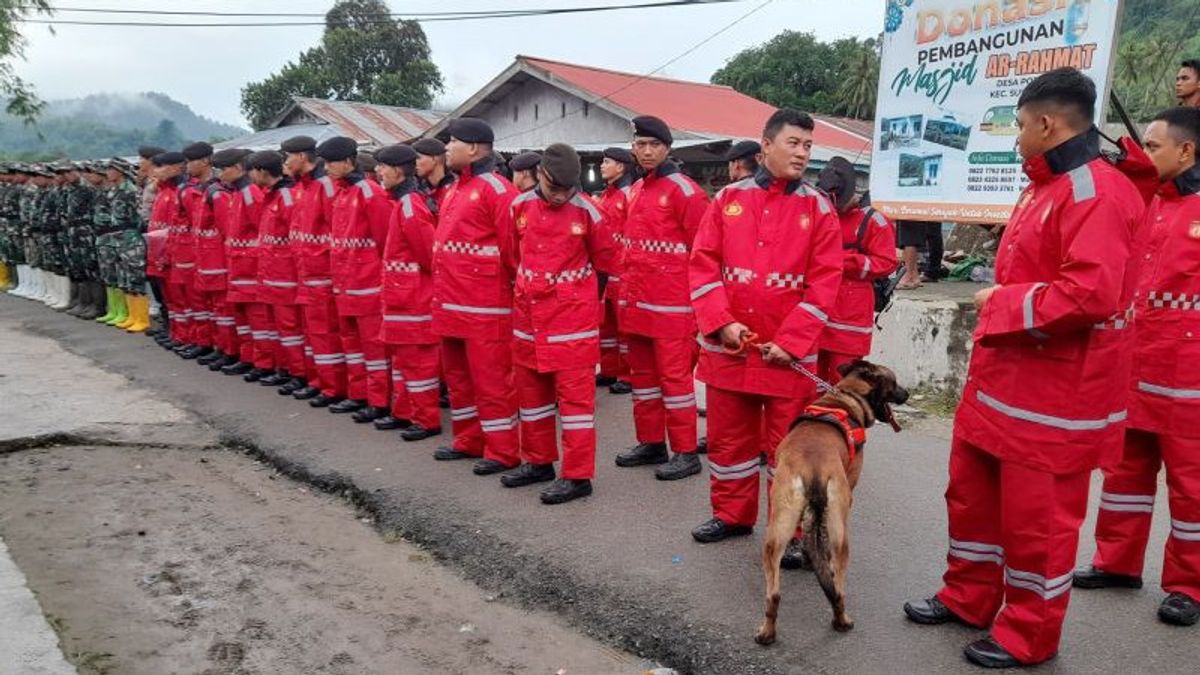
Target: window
x=585, y=108
x=564, y=109
x=535, y=112
x=515, y=109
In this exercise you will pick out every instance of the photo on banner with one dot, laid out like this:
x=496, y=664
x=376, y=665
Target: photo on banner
x=950, y=76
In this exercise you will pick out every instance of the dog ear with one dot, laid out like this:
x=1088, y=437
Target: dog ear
x=856, y=365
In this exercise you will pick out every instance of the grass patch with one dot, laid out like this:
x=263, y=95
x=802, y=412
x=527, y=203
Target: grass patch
x=932, y=401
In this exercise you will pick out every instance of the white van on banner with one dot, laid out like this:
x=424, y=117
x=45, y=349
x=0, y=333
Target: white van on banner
x=949, y=80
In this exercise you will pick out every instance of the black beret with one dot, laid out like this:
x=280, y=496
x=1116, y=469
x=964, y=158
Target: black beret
x=168, y=158
x=229, y=157
x=266, y=159
x=619, y=154
x=561, y=164
x=838, y=180
x=299, y=144
x=471, y=130
x=198, y=150
x=743, y=149
x=653, y=127
x=338, y=149
x=525, y=161
x=149, y=151
x=430, y=146
x=396, y=155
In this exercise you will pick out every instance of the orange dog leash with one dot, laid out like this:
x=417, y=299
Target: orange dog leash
x=750, y=339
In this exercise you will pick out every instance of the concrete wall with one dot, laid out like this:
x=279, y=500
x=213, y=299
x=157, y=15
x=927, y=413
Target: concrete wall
x=927, y=342
x=540, y=120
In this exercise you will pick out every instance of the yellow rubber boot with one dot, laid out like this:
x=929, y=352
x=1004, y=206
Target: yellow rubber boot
x=122, y=313
x=140, y=311
x=129, y=319
x=5, y=279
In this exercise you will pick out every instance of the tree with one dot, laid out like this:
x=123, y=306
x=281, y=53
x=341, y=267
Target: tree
x=796, y=70
x=22, y=100
x=1155, y=36
x=364, y=55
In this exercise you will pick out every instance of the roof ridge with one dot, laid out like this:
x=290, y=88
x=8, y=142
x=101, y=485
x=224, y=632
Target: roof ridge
x=526, y=57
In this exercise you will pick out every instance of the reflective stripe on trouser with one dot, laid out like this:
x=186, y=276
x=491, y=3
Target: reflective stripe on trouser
x=740, y=427
x=177, y=297
x=612, y=364
x=289, y=350
x=416, y=384
x=202, y=318
x=252, y=321
x=321, y=335
x=483, y=401
x=828, y=363
x=224, y=325
x=664, y=390
x=572, y=395
x=368, y=375
x=1127, y=505
x=1014, y=532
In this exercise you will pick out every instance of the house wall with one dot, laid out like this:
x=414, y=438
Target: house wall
x=540, y=121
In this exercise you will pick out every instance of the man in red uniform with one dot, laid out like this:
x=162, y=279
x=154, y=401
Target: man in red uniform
x=1187, y=84
x=868, y=253
x=655, y=313
x=561, y=245
x=1165, y=389
x=435, y=178
x=199, y=302
x=310, y=248
x=277, y=269
x=358, y=226
x=524, y=170
x=742, y=160
x=473, y=271
x=181, y=254
x=407, y=289
x=767, y=262
x=166, y=217
x=212, y=273
x=619, y=170
x=1039, y=411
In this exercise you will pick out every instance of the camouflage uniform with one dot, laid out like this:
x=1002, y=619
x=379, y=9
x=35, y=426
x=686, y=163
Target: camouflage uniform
x=49, y=226
x=107, y=247
x=131, y=243
x=30, y=207
x=79, y=236
x=12, y=248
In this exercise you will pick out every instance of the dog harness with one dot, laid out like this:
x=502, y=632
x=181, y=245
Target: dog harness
x=856, y=435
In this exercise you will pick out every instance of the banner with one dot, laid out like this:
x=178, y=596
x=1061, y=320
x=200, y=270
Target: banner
x=949, y=79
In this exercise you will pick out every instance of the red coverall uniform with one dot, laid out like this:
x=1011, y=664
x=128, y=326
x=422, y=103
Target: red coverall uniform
x=655, y=314
x=277, y=280
x=438, y=192
x=473, y=272
x=167, y=216
x=769, y=256
x=181, y=257
x=1165, y=401
x=556, y=331
x=310, y=248
x=1039, y=411
x=195, y=205
x=614, y=204
x=407, y=321
x=237, y=209
x=212, y=271
x=847, y=336
x=359, y=221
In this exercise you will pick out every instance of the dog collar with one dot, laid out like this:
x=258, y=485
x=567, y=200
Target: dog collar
x=856, y=435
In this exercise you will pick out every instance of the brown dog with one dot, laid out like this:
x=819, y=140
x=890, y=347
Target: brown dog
x=815, y=475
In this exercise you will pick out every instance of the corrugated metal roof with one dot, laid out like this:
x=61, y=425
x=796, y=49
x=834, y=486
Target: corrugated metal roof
x=269, y=139
x=367, y=123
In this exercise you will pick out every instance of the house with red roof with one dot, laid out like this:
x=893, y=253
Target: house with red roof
x=536, y=102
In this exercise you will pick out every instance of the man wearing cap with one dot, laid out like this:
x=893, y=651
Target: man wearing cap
x=742, y=160
x=664, y=212
x=79, y=237
x=619, y=171
x=277, y=279
x=524, y=170
x=473, y=271
x=561, y=245
x=407, y=289
x=121, y=246
x=310, y=247
x=168, y=216
x=147, y=183
x=358, y=227
x=435, y=178
x=10, y=214
x=199, y=288
x=767, y=262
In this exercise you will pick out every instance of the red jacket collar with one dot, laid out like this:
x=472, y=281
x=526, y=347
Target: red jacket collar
x=1184, y=185
x=1065, y=157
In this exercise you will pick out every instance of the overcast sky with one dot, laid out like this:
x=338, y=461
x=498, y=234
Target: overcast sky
x=207, y=67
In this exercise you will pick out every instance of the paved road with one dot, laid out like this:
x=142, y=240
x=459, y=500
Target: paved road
x=621, y=565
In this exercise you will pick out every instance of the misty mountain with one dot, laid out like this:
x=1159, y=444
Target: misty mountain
x=104, y=125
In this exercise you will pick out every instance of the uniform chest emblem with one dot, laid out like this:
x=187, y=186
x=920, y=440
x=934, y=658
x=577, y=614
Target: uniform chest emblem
x=576, y=229
x=1194, y=230
x=805, y=221
x=662, y=201
x=733, y=209
x=475, y=196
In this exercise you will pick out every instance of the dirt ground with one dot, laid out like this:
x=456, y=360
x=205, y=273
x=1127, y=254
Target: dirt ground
x=158, y=561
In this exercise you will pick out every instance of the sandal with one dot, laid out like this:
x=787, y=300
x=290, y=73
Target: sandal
x=908, y=286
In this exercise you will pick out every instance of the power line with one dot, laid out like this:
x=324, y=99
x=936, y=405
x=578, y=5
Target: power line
x=164, y=12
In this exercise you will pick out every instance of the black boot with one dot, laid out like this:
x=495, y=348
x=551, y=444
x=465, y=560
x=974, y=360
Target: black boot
x=448, y=454
x=643, y=454
x=256, y=374
x=98, y=305
x=987, y=653
x=323, y=401
x=222, y=363
x=716, y=530
x=417, y=432
x=347, y=406
x=564, y=490
x=702, y=446
x=620, y=387
x=794, y=557
x=208, y=360
x=604, y=381
x=237, y=368
x=1179, y=609
x=369, y=414
x=1089, y=577
x=72, y=298
x=681, y=466
x=930, y=612
x=275, y=379
x=387, y=423
x=487, y=467
x=306, y=393
x=196, y=353
x=292, y=386
x=79, y=298
x=527, y=474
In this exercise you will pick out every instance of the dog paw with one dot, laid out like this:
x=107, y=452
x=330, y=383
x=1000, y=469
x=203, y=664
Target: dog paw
x=843, y=625
x=764, y=638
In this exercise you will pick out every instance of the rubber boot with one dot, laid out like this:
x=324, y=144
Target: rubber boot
x=39, y=285
x=141, y=314
x=82, y=299
x=50, y=296
x=72, y=297
x=5, y=278
x=99, y=302
x=22, y=281
x=122, y=311
x=129, y=312
x=64, y=294
x=111, y=304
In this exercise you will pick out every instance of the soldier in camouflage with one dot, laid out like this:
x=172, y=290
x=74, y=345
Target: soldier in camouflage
x=79, y=236
x=125, y=205
x=12, y=253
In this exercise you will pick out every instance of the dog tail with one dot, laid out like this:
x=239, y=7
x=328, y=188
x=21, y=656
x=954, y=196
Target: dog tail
x=818, y=535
